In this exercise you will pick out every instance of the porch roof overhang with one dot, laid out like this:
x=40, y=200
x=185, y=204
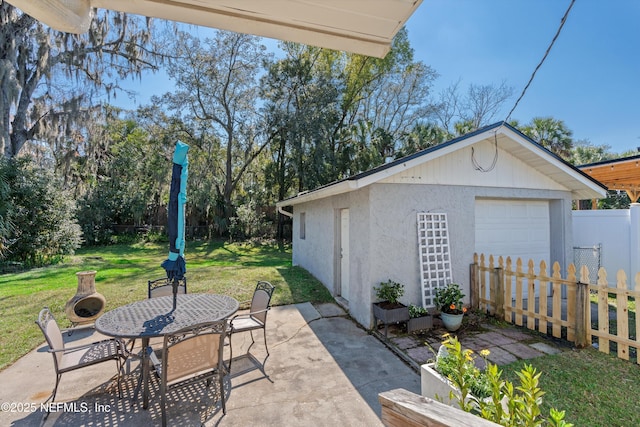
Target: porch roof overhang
x=581, y=185
x=619, y=174
x=364, y=27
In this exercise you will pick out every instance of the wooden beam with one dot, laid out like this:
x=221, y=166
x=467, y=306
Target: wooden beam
x=633, y=194
x=402, y=408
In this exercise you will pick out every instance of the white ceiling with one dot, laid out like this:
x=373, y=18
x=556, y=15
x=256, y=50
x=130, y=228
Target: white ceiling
x=360, y=26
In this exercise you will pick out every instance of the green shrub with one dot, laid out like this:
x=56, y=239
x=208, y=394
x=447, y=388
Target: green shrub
x=459, y=367
x=448, y=299
x=507, y=405
x=417, y=311
x=6, y=226
x=41, y=213
x=389, y=291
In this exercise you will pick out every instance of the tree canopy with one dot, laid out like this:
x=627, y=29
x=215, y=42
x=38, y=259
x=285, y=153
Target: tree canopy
x=262, y=127
x=48, y=78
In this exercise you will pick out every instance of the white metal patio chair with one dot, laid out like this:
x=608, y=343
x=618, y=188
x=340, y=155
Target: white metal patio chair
x=66, y=359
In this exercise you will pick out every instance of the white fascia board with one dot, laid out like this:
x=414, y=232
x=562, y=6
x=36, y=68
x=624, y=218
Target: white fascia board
x=224, y=17
x=594, y=190
x=70, y=16
x=331, y=190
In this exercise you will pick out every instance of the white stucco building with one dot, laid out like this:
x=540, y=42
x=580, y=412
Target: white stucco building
x=502, y=193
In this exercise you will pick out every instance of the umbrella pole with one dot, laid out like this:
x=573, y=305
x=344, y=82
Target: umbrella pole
x=174, y=285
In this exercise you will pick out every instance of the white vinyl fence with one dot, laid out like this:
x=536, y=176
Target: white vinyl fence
x=615, y=231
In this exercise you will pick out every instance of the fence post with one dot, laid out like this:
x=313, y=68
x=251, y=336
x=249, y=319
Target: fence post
x=473, y=287
x=499, y=296
x=582, y=299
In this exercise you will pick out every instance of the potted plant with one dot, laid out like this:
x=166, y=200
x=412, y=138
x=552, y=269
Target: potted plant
x=448, y=300
x=454, y=376
x=419, y=319
x=389, y=309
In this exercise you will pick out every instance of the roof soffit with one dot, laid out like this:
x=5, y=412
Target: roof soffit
x=621, y=174
x=364, y=27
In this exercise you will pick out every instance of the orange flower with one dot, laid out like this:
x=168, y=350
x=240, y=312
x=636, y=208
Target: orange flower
x=464, y=309
x=452, y=306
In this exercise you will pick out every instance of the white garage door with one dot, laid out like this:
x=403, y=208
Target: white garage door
x=515, y=228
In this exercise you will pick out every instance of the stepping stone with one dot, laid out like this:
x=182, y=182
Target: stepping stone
x=546, y=348
x=500, y=356
x=330, y=310
x=523, y=351
x=515, y=334
x=475, y=343
x=405, y=342
x=420, y=354
x=495, y=338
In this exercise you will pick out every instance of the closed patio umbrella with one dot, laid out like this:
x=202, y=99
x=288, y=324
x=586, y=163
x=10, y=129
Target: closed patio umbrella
x=175, y=264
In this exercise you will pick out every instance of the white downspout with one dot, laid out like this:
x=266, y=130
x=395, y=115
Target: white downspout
x=285, y=213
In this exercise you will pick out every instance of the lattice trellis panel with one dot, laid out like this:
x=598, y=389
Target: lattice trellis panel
x=435, y=257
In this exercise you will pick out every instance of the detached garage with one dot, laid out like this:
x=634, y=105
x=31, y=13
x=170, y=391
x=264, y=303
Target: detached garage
x=516, y=228
x=494, y=191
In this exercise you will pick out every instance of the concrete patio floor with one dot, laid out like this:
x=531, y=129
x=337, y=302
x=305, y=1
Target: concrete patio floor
x=323, y=369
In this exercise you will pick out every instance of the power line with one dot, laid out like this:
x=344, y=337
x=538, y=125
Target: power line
x=475, y=162
x=562, y=22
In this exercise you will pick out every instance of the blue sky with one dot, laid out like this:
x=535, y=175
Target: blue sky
x=590, y=80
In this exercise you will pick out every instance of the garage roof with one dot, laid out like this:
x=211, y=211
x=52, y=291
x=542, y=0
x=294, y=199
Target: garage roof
x=358, y=26
x=619, y=174
x=581, y=185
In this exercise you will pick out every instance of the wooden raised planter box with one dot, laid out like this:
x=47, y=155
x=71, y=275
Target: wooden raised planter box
x=389, y=316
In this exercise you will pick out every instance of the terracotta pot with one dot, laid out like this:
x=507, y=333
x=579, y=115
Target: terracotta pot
x=87, y=304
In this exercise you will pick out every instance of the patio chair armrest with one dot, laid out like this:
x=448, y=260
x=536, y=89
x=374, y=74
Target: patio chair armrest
x=231, y=319
x=83, y=346
x=78, y=328
x=252, y=313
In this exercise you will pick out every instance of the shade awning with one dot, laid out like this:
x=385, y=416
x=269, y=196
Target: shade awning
x=619, y=174
x=364, y=27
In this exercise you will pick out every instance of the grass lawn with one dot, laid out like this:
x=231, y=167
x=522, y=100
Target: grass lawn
x=593, y=388
x=123, y=271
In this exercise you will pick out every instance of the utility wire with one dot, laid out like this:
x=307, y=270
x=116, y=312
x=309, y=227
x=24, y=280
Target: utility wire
x=562, y=22
x=476, y=165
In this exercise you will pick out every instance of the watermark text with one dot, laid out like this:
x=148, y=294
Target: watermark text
x=73, y=407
